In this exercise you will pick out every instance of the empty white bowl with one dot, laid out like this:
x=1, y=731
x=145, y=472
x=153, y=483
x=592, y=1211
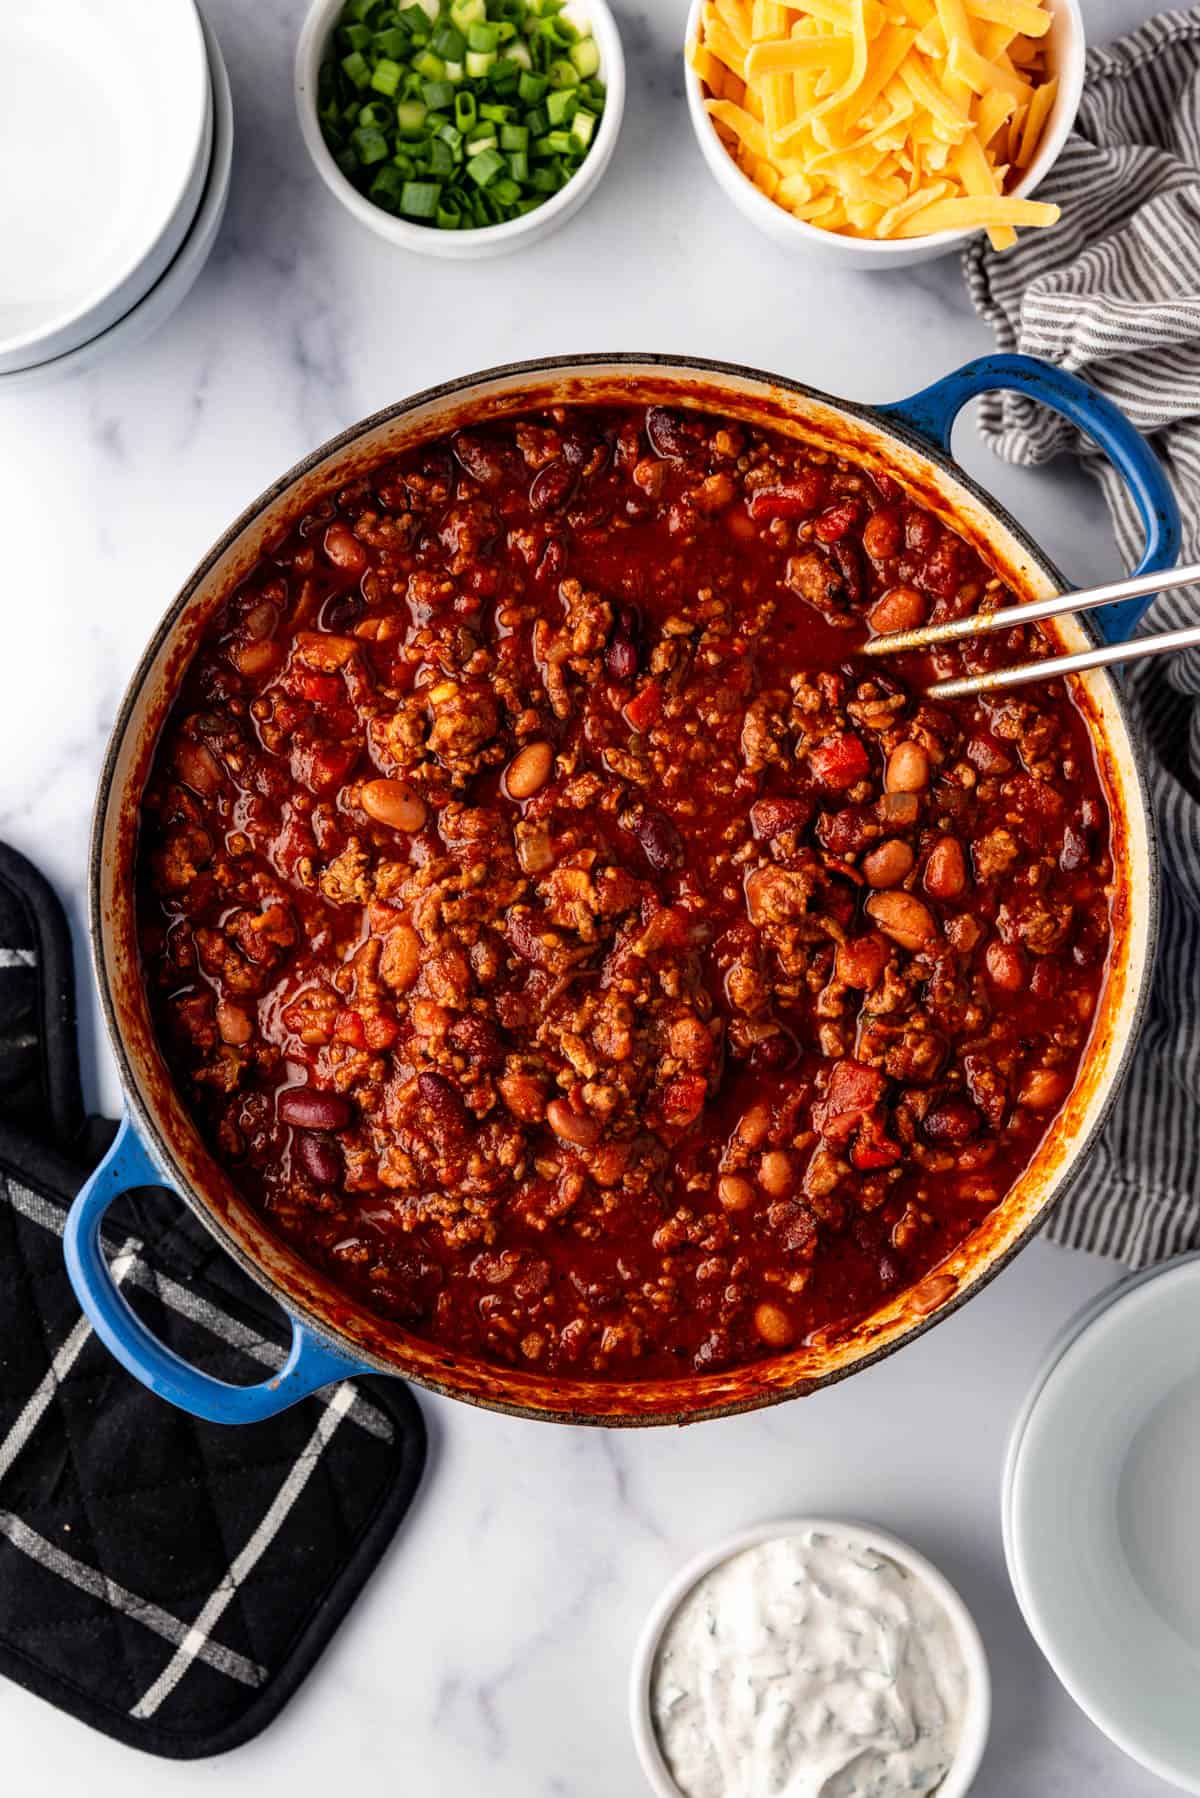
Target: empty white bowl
x=1067, y=49
x=1100, y=1499
x=105, y=144
x=489, y=240
x=155, y=307
x=976, y=1718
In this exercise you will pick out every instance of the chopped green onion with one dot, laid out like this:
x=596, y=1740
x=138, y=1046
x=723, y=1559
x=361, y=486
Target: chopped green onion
x=419, y=199
x=561, y=105
x=357, y=68
x=484, y=167
x=410, y=117
x=386, y=76
x=414, y=99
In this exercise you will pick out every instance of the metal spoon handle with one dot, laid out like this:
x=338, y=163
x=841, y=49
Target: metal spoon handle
x=1138, y=650
x=978, y=624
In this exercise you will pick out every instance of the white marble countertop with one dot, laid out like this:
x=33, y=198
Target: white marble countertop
x=490, y=1651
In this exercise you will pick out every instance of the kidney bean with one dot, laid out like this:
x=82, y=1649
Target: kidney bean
x=848, y=557
x=671, y=435
x=951, y=1121
x=553, y=486
x=920, y=532
x=528, y=771
x=307, y=1108
x=887, y=865
x=320, y=1158
x=946, y=869
x=905, y=919
x=660, y=841
x=622, y=657
x=341, y=611
x=771, y=817
x=791, y=499
x=584, y=450
x=479, y=1040
x=482, y=458
x=443, y=1100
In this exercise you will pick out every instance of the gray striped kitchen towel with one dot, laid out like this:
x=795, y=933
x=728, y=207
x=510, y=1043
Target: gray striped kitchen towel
x=1112, y=293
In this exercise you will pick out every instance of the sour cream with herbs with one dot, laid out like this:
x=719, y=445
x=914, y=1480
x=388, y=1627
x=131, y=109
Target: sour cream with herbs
x=810, y=1666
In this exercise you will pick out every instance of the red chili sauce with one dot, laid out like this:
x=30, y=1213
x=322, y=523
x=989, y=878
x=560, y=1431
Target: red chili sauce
x=570, y=942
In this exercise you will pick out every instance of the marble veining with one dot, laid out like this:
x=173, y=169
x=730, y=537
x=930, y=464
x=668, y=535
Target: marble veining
x=490, y=1652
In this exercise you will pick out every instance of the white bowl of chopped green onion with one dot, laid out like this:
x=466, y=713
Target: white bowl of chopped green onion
x=460, y=128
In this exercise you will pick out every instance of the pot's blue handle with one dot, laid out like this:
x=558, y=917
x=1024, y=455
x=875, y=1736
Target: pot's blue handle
x=309, y=1365
x=932, y=413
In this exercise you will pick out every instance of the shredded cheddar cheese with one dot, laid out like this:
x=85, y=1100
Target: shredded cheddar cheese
x=882, y=118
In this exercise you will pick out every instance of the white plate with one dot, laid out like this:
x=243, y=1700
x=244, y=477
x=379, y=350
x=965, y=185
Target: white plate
x=165, y=296
x=105, y=141
x=1100, y=1503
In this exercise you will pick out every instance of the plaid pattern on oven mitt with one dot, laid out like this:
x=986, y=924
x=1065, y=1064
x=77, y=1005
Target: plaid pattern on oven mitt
x=168, y=1581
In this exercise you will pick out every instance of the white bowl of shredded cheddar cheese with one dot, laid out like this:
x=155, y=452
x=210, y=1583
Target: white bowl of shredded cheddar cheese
x=880, y=133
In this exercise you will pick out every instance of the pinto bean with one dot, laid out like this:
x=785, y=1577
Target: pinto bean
x=1006, y=966
x=735, y=1193
x=528, y=771
x=773, y=1325
x=1041, y=1089
x=572, y=1126
x=902, y=918
x=901, y=609
x=390, y=802
x=883, y=534
x=307, y=1108
x=234, y=1023
x=887, y=865
x=344, y=549
x=946, y=869
x=777, y=1173
x=907, y=769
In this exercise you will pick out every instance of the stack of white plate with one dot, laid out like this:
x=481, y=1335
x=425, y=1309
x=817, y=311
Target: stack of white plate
x=116, y=140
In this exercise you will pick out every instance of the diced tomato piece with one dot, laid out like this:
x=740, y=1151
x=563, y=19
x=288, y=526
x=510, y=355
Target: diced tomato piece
x=382, y=918
x=832, y=525
x=380, y=1031
x=791, y=499
x=839, y=761
x=853, y=1090
x=323, y=689
x=873, y=1148
x=683, y=1100
x=348, y=1028
x=643, y=709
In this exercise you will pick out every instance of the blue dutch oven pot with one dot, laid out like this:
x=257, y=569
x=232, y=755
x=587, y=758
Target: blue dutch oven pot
x=332, y=1337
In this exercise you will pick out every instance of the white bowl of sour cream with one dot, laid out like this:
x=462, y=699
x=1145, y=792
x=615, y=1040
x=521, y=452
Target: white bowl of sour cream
x=809, y=1656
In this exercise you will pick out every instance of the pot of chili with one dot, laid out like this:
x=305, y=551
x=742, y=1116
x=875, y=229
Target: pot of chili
x=550, y=958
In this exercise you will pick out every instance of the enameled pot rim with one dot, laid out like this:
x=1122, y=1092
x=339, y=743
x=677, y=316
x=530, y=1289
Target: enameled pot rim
x=645, y=363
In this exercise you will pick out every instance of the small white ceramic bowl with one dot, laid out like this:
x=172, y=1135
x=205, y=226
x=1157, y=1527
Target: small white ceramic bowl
x=976, y=1722
x=1099, y=1511
x=1067, y=50
x=490, y=240
x=154, y=308
x=105, y=143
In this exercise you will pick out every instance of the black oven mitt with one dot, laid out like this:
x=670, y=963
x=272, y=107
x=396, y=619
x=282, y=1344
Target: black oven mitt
x=168, y=1581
